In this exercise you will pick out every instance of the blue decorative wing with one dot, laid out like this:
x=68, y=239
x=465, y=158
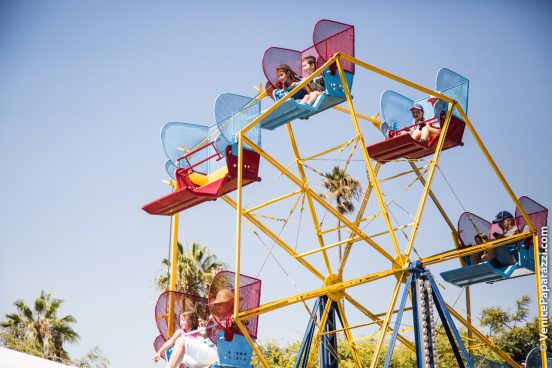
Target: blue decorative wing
x=395, y=109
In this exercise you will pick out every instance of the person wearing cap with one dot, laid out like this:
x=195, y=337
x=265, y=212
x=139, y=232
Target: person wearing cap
x=501, y=257
x=423, y=132
x=417, y=111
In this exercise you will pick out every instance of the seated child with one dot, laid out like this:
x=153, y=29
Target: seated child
x=501, y=257
x=423, y=132
x=188, y=349
x=417, y=112
x=480, y=238
x=317, y=86
x=288, y=80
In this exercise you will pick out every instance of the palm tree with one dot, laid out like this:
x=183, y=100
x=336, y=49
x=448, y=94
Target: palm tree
x=344, y=189
x=195, y=270
x=39, y=331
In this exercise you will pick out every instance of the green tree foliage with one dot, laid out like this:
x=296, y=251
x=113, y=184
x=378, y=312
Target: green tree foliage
x=284, y=356
x=195, y=269
x=38, y=330
x=95, y=358
x=344, y=189
x=510, y=330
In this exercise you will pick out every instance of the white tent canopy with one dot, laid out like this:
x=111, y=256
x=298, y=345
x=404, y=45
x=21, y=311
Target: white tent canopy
x=14, y=359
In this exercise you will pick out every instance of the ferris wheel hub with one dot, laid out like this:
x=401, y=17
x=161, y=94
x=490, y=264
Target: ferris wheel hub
x=331, y=280
x=400, y=264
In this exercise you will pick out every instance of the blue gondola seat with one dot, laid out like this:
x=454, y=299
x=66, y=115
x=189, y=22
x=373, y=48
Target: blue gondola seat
x=492, y=271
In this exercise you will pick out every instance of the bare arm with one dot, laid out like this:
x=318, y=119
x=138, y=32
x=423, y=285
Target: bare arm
x=170, y=342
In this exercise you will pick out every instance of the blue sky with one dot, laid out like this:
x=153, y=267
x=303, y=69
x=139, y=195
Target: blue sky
x=86, y=86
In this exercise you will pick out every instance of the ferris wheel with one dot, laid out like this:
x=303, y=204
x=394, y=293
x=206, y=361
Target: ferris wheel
x=224, y=161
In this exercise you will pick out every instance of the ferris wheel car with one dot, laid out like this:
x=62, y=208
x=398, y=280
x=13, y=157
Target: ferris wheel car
x=199, y=175
x=395, y=109
x=329, y=37
x=232, y=347
x=489, y=271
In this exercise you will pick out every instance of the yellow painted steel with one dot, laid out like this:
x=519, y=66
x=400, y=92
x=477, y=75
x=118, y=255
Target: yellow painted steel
x=317, y=198
x=297, y=298
x=386, y=321
x=316, y=341
x=514, y=198
x=358, y=220
x=357, y=234
x=255, y=347
x=351, y=240
x=348, y=334
x=376, y=318
x=239, y=210
x=272, y=201
x=366, y=155
x=425, y=193
x=373, y=119
x=435, y=200
x=310, y=203
x=462, y=252
x=274, y=238
x=469, y=319
x=174, y=259
x=396, y=78
x=403, y=174
x=330, y=150
x=331, y=230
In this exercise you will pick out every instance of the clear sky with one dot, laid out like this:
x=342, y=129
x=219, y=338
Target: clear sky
x=86, y=86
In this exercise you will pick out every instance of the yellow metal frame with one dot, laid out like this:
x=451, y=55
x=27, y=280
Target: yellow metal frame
x=398, y=262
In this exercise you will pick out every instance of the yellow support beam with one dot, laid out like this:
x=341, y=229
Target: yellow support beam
x=358, y=220
x=395, y=77
x=366, y=155
x=348, y=334
x=434, y=199
x=315, y=343
x=272, y=201
x=386, y=321
x=174, y=262
x=376, y=317
x=373, y=119
x=310, y=203
x=429, y=180
x=350, y=240
x=339, y=147
x=239, y=210
x=255, y=347
x=251, y=218
x=462, y=252
x=330, y=289
x=318, y=199
x=356, y=233
x=513, y=197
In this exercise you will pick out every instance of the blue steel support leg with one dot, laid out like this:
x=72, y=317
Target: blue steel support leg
x=331, y=339
x=397, y=323
x=304, y=350
x=443, y=312
x=323, y=351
